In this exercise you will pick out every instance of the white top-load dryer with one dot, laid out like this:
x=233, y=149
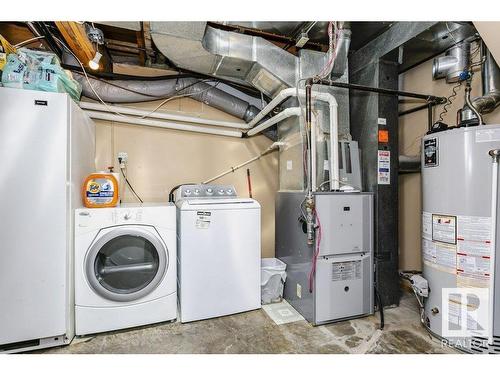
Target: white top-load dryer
x=219, y=252
x=125, y=267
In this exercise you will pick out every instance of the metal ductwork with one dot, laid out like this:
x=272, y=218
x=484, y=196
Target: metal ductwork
x=490, y=75
x=453, y=63
x=117, y=91
x=241, y=58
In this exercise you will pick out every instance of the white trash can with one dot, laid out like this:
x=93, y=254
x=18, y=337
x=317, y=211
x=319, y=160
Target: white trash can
x=272, y=280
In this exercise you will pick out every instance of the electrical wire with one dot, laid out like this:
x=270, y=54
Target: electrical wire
x=177, y=97
x=449, y=100
x=456, y=43
x=130, y=186
x=380, y=307
x=333, y=35
x=112, y=110
x=340, y=182
x=28, y=41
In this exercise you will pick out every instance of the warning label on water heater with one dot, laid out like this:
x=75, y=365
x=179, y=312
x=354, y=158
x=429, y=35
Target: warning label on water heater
x=444, y=229
x=384, y=167
x=473, y=251
x=459, y=245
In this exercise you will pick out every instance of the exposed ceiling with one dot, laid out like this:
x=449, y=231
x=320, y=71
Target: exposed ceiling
x=362, y=32
x=130, y=44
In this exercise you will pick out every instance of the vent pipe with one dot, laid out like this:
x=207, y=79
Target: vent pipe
x=490, y=75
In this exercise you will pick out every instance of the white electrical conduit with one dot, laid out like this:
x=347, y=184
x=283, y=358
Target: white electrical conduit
x=334, y=126
x=270, y=149
x=161, y=115
x=163, y=124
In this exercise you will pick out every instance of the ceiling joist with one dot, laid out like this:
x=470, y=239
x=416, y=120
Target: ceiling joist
x=75, y=36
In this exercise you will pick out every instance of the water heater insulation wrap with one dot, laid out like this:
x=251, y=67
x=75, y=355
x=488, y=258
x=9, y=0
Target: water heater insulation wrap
x=456, y=223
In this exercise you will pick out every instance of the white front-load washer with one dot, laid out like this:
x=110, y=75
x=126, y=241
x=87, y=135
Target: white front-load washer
x=125, y=267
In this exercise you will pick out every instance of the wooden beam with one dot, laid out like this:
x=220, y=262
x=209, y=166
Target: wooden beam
x=76, y=38
x=148, y=42
x=142, y=46
x=17, y=33
x=136, y=70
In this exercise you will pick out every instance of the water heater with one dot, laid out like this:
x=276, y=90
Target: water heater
x=459, y=230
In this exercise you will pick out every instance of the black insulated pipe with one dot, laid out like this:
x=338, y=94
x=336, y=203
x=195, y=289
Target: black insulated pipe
x=352, y=86
x=416, y=109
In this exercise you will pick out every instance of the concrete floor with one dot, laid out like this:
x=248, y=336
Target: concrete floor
x=255, y=332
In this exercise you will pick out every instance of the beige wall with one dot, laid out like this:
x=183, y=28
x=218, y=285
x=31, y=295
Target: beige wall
x=411, y=128
x=161, y=158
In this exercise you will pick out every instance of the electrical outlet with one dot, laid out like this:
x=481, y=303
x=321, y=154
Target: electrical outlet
x=123, y=156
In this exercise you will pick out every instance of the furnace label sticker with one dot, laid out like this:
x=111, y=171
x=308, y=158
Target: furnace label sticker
x=444, y=229
x=384, y=167
x=344, y=271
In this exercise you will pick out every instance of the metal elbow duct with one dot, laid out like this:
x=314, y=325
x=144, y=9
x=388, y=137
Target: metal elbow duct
x=490, y=75
x=117, y=91
x=240, y=58
x=453, y=63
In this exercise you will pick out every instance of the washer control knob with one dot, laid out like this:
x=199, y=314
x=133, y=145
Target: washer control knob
x=210, y=191
x=229, y=191
x=127, y=216
x=187, y=192
x=196, y=191
x=221, y=191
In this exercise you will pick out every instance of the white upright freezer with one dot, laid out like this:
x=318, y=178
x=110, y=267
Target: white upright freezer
x=47, y=147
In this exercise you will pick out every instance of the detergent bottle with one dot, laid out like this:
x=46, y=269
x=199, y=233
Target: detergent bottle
x=100, y=190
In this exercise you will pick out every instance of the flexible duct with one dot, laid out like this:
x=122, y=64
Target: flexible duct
x=490, y=75
x=130, y=92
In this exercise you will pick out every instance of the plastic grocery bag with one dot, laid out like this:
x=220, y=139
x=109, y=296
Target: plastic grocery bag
x=37, y=70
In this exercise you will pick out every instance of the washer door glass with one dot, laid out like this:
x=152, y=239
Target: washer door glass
x=126, y=264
